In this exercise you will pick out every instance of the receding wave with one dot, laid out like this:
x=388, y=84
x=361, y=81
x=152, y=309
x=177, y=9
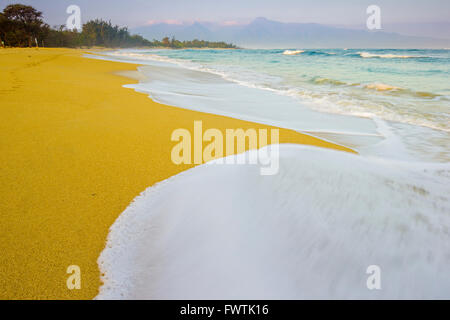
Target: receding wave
x=337, y=101
x=310, y=231
x=144, y=56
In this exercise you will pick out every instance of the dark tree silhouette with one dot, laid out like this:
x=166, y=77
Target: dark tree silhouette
x=23, y=24
x=20, y=25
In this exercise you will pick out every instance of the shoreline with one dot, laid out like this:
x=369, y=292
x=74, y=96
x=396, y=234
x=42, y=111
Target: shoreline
x=79, y=147
x=351, y=131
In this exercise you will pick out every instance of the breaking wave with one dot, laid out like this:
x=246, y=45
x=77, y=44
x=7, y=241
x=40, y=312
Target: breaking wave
x=292, y=52
x=386, y=56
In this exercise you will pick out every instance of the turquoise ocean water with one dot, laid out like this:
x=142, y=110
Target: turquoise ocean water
x=402, y=96
x=409, y=84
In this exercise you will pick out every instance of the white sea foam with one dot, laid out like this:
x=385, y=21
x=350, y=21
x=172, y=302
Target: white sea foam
x=225, y=231
x=308, y=232
x=385, y=56
x=342, y=103
x=381, y=87
x=347, y=110
x=207, y=92
x=292, y=52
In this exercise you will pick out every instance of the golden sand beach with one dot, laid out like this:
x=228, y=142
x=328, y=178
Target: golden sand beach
x=76, y=148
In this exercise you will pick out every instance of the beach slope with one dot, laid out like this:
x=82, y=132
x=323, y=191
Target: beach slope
x=76, y=148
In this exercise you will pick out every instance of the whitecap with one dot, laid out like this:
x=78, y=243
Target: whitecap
x=385, y=56
x=292, y=52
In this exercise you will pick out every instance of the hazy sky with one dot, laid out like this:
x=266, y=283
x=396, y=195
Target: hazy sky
x=343, y=12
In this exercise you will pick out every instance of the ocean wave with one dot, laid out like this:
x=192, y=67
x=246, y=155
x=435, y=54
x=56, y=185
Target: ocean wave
x=381, y=87
x=309, y=52
x=386, y=56
x=318, y=80
x=358, y=106
x=292, y=52
x=373, y=86
x=140, y=56
x=310, y=231
x=340, y=102
x=319, y=53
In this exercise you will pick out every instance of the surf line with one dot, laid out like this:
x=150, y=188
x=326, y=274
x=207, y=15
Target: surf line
x=267, y=156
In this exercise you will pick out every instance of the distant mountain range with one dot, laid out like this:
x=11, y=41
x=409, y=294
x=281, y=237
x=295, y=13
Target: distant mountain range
x=264, y=33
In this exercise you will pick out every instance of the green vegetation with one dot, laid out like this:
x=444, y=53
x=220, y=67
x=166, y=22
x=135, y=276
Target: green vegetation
x=20, y=25
x=176, y=44
x=23, y=26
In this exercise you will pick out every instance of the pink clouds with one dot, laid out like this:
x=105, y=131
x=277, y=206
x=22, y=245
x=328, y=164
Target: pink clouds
x=168, y=21
x=230, y=23
x=185, y=22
